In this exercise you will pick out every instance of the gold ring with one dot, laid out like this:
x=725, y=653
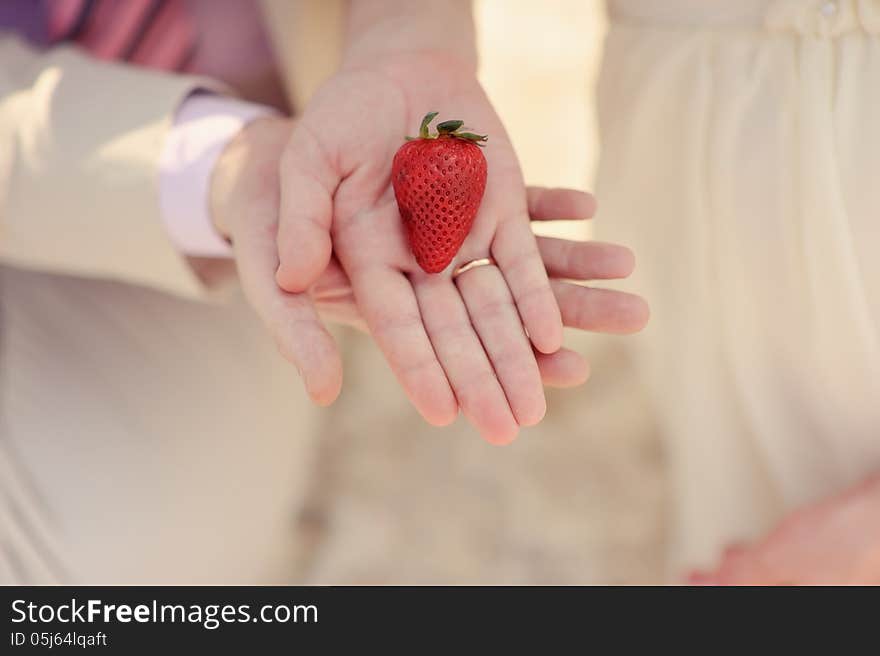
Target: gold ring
x=473, y=264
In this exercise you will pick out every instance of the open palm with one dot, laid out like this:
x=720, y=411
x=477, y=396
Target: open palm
x=452, y=344
x=245, y=207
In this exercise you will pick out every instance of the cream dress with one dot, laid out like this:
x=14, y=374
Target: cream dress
x=741, y=161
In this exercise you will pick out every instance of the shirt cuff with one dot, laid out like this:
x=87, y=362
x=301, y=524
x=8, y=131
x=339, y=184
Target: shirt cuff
x=203, y=126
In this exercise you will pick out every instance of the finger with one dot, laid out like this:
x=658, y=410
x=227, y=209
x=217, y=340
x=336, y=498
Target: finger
x=600, y=310
x=334, y=299
x=479, y=393
x=565, y=368
x=734, y=550
x=516, y=253
x=551, y=204
x=585, y=260
x=699, y=577
x=308, y=181
x=389, y=307
x=290, y=318
x=494, y=316
x=745, y=568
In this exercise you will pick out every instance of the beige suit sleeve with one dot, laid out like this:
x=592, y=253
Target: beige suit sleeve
x=80, y=142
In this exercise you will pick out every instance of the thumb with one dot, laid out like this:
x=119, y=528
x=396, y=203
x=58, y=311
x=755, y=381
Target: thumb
x=308, y=181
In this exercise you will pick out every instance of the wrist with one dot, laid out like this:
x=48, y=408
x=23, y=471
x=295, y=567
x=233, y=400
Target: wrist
x=378, y=30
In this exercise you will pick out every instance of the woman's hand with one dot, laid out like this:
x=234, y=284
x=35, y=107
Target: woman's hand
x=452, y=344
x=245, y=200
x=834, y=542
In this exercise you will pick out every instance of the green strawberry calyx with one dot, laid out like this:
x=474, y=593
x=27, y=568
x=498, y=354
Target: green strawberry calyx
x=447, y=129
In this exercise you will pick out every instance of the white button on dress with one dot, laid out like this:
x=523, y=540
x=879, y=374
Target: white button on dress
x=828, y=9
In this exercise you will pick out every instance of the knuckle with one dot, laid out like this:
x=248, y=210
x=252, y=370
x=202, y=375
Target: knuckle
x=570, y=257
x=473, y=387
x=523, y=260
x=512, y=357
x=285, y=349
x=390, y=326
x=536, y=294
x=494, y=310
x=452, y=332
x=416, y=369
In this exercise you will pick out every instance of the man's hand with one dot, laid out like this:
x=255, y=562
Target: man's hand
x=244, y=206
x=834, y=542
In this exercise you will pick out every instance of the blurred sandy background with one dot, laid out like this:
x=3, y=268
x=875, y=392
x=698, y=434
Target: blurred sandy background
x=578, y=499
x=539, y=62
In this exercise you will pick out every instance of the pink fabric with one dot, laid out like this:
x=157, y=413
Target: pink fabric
x=63, y=16
x=203, y=127
x=141, y=31
x=170, y=39
x=223, y=39
x=113, y=27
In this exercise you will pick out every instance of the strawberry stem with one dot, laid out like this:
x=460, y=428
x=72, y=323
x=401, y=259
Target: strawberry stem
x=423, y=128
x=447, y=129
x=470, y=136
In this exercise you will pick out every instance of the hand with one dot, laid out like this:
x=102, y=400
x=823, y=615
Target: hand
x=584, y=308
x=450, y=345
x=244, y=206
x=836, y=541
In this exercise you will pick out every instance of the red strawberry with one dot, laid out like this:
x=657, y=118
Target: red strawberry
x=439, y=182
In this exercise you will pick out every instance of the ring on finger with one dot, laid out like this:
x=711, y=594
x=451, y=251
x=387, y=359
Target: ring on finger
x=473, y=264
